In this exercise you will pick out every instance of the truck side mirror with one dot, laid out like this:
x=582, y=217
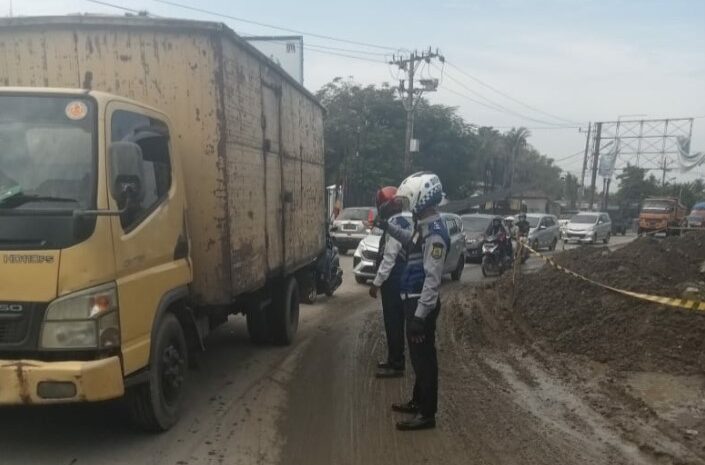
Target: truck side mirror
x=126, y=173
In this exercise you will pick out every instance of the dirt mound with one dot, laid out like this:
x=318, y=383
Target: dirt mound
x=574, y=316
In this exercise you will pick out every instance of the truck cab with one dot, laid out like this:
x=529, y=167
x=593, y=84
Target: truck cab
x=660, y=214
x=93, y=248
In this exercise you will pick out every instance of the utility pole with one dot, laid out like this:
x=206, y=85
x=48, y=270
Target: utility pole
x=664, y=169
x=595, y=160
x=585, y=160
x=411, y=95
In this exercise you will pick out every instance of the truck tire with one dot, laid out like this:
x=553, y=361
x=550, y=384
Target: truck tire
x=458, y=272
x=156, y=405
x=257, y=326
x=283, y=313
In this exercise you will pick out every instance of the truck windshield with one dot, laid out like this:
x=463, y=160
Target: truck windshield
x=657, y=206
x=47, y=153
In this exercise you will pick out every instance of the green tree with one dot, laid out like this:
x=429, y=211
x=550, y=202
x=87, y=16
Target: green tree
x=634, y=186
x=364, y=140
x=688, y=192
x=516, y=142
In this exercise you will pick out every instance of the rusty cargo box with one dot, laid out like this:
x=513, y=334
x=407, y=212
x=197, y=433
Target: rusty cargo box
x=250, y=137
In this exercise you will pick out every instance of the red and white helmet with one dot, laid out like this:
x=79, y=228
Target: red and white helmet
x=420, y=191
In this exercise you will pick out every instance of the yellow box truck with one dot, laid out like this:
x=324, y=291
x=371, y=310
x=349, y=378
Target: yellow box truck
x=156, y=176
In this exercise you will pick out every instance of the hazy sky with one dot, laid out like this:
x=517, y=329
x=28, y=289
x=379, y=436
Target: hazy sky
x=580, y=60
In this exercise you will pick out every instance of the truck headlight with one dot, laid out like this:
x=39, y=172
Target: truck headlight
x=86, y=319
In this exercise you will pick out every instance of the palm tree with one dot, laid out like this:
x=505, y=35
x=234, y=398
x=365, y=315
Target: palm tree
x=516, y=141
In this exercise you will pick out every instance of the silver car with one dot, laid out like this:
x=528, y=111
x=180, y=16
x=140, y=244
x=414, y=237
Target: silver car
x=351, y=226
x=588, y=228
x=365, y=256
x=544, y=232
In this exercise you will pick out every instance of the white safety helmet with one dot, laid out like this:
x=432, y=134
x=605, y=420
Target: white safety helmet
x=509, y=219
x=420, y=191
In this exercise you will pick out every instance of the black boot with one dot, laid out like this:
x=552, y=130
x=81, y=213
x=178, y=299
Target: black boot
x=406, y=407
x=417, y=423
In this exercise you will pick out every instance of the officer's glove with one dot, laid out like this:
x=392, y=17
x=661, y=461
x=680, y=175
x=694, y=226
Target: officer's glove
x=380, y=223
x=417, y=329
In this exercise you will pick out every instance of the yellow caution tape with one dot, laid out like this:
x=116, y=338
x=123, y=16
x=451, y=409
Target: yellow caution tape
x=670, y=301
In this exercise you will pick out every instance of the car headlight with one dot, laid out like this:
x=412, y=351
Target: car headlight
x=86, y=319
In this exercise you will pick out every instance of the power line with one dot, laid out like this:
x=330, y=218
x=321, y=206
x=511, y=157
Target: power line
x=310, y=47
x=286, y=29
x=119, y=7
x=507, y=96
x=369, y=60
x=499, y=108
x=568, y=157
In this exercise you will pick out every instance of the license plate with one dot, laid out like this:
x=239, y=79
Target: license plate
x=349, y=227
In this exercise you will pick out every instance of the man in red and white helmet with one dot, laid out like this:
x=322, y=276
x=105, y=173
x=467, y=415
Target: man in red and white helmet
x=426, y=247
x=390, y=266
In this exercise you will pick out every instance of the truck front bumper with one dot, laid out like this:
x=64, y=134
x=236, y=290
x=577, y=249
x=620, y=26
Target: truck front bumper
x=32, y=382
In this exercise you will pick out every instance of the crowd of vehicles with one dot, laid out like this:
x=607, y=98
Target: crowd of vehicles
x=145, y=201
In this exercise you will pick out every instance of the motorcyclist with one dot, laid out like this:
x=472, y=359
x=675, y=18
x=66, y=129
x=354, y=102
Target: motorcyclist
x=523, y=227
x=426, y=245
x=498, y=230
x=390, y=266
x=511, y=229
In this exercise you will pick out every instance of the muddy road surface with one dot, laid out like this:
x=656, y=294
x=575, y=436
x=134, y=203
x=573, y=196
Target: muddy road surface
x=317, y=402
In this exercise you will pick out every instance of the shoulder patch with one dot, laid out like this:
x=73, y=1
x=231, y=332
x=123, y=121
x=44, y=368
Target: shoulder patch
x=437, y=250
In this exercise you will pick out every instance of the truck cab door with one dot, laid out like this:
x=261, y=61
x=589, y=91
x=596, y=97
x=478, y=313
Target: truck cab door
x=150, y=240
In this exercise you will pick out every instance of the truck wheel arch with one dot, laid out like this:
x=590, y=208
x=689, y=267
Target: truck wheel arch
x=174, y=301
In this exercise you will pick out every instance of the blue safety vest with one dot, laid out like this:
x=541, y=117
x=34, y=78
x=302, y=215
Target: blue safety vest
x=414, y=275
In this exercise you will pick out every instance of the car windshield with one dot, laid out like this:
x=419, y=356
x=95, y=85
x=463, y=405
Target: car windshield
x=584, y=219
x=533, y=221
x=46, y=152
x=475, y=223
x=355, y=214
x=658, y=206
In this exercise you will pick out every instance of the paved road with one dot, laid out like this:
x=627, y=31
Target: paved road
x=315, y=402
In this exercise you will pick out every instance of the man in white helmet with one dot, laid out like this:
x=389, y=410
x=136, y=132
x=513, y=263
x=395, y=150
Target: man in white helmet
x=426, y=248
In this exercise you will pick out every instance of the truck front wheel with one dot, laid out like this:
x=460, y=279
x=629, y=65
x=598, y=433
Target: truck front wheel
x=283, y=312
x=156, y=405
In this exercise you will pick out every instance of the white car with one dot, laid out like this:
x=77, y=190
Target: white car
x=589, y=227
x=365, y=257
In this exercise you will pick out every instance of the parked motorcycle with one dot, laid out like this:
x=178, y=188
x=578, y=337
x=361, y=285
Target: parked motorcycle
x=494, y=260
x=327, y=275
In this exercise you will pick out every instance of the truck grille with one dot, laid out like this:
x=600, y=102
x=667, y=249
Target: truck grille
x=13, y=331
x=20, y=331
x=369, y=255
